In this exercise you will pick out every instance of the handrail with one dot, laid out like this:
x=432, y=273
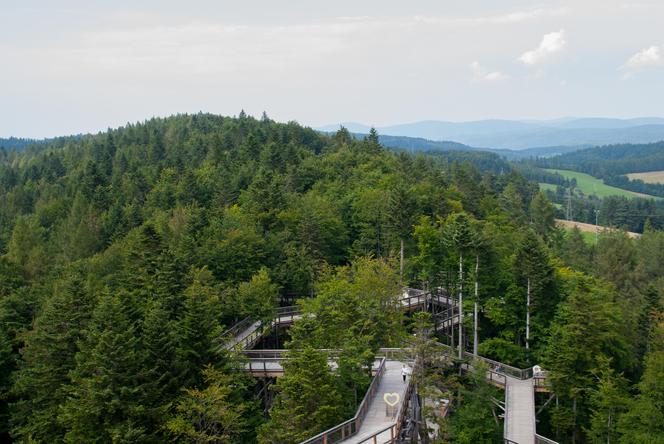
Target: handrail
x=539, y=439
x=238, y=327
x=350, y=427
x=291, y=309
x=505, y=419
x=393, y=435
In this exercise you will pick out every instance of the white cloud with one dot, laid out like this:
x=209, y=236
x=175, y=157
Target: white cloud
x=646, y=57
x=551, y=43
x=499, y=19
x=480, y=73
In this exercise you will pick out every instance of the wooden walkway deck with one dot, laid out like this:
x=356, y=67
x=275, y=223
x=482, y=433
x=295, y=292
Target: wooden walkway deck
x=520, y=410
x=376, y=418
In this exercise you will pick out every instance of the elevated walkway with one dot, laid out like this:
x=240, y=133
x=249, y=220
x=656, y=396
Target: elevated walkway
x=382, y=422
x=373, y=423
x=519, y=410
x=245, y=334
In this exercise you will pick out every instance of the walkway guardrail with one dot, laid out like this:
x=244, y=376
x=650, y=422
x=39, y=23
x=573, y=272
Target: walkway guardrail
x=349, y=428
x=539, y=439
x=289, y=313
x=505, y=419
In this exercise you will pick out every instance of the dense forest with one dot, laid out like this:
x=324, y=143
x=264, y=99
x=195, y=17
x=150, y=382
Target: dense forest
x=15, y=143
x=611, y=163
x=124, y=255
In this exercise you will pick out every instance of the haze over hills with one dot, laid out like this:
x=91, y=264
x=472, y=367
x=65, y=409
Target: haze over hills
x=414, y=144
x=515, y=134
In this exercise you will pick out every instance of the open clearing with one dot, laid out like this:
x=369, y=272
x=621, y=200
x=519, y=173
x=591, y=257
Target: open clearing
x=592, y=185
x=548, y=187
x=649, y=177
x=590, y=228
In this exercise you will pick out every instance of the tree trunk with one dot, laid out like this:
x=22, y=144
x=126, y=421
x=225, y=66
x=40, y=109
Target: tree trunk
x=574, y=429
x=460, y=305
x=475, y=320
x=528, y=315
x=401, y=263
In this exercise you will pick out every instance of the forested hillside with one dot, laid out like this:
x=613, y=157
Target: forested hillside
x=124, y=255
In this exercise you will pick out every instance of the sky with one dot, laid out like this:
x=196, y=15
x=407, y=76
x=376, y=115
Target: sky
x=77, y=66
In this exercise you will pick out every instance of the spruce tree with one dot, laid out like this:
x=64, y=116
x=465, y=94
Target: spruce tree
x=43, y=378
x=208, y=415
x=106, y=399
x=198, y=326
x=307, y=401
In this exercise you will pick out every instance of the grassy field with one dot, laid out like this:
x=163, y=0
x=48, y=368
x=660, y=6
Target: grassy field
x=591, y=185
x=547, y=187
x=588, y=231
x=649, y=177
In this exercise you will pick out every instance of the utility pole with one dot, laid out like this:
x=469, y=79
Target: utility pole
x=596, y=225
x=569, y=203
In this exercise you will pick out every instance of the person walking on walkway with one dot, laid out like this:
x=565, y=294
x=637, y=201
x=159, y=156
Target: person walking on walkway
x=404, y=372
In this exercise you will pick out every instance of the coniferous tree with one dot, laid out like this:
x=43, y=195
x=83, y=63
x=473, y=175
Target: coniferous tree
x=401, y=212
x=644, y=420
x=208, y=415
x=585, y=331
x=198, y=326
x=306, y=402
x=43, y=378
x=534, y=273
x=106, y=398
x=459, y=236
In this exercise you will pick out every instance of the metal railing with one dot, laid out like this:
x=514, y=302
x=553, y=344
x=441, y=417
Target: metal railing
x=539, y=439
x=349, y=428
x=505, y=419
x=288, y=312
x=237, y=328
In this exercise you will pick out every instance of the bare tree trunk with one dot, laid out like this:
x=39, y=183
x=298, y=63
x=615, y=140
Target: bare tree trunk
x=528, y=315
x=475, y=320
x=460, y=305
x=401, y=263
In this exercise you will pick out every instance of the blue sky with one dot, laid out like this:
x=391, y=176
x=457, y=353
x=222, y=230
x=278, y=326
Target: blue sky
x=81, y=66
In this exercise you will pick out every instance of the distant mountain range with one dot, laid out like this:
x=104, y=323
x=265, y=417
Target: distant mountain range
x=414, y=144
x=519, y=135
